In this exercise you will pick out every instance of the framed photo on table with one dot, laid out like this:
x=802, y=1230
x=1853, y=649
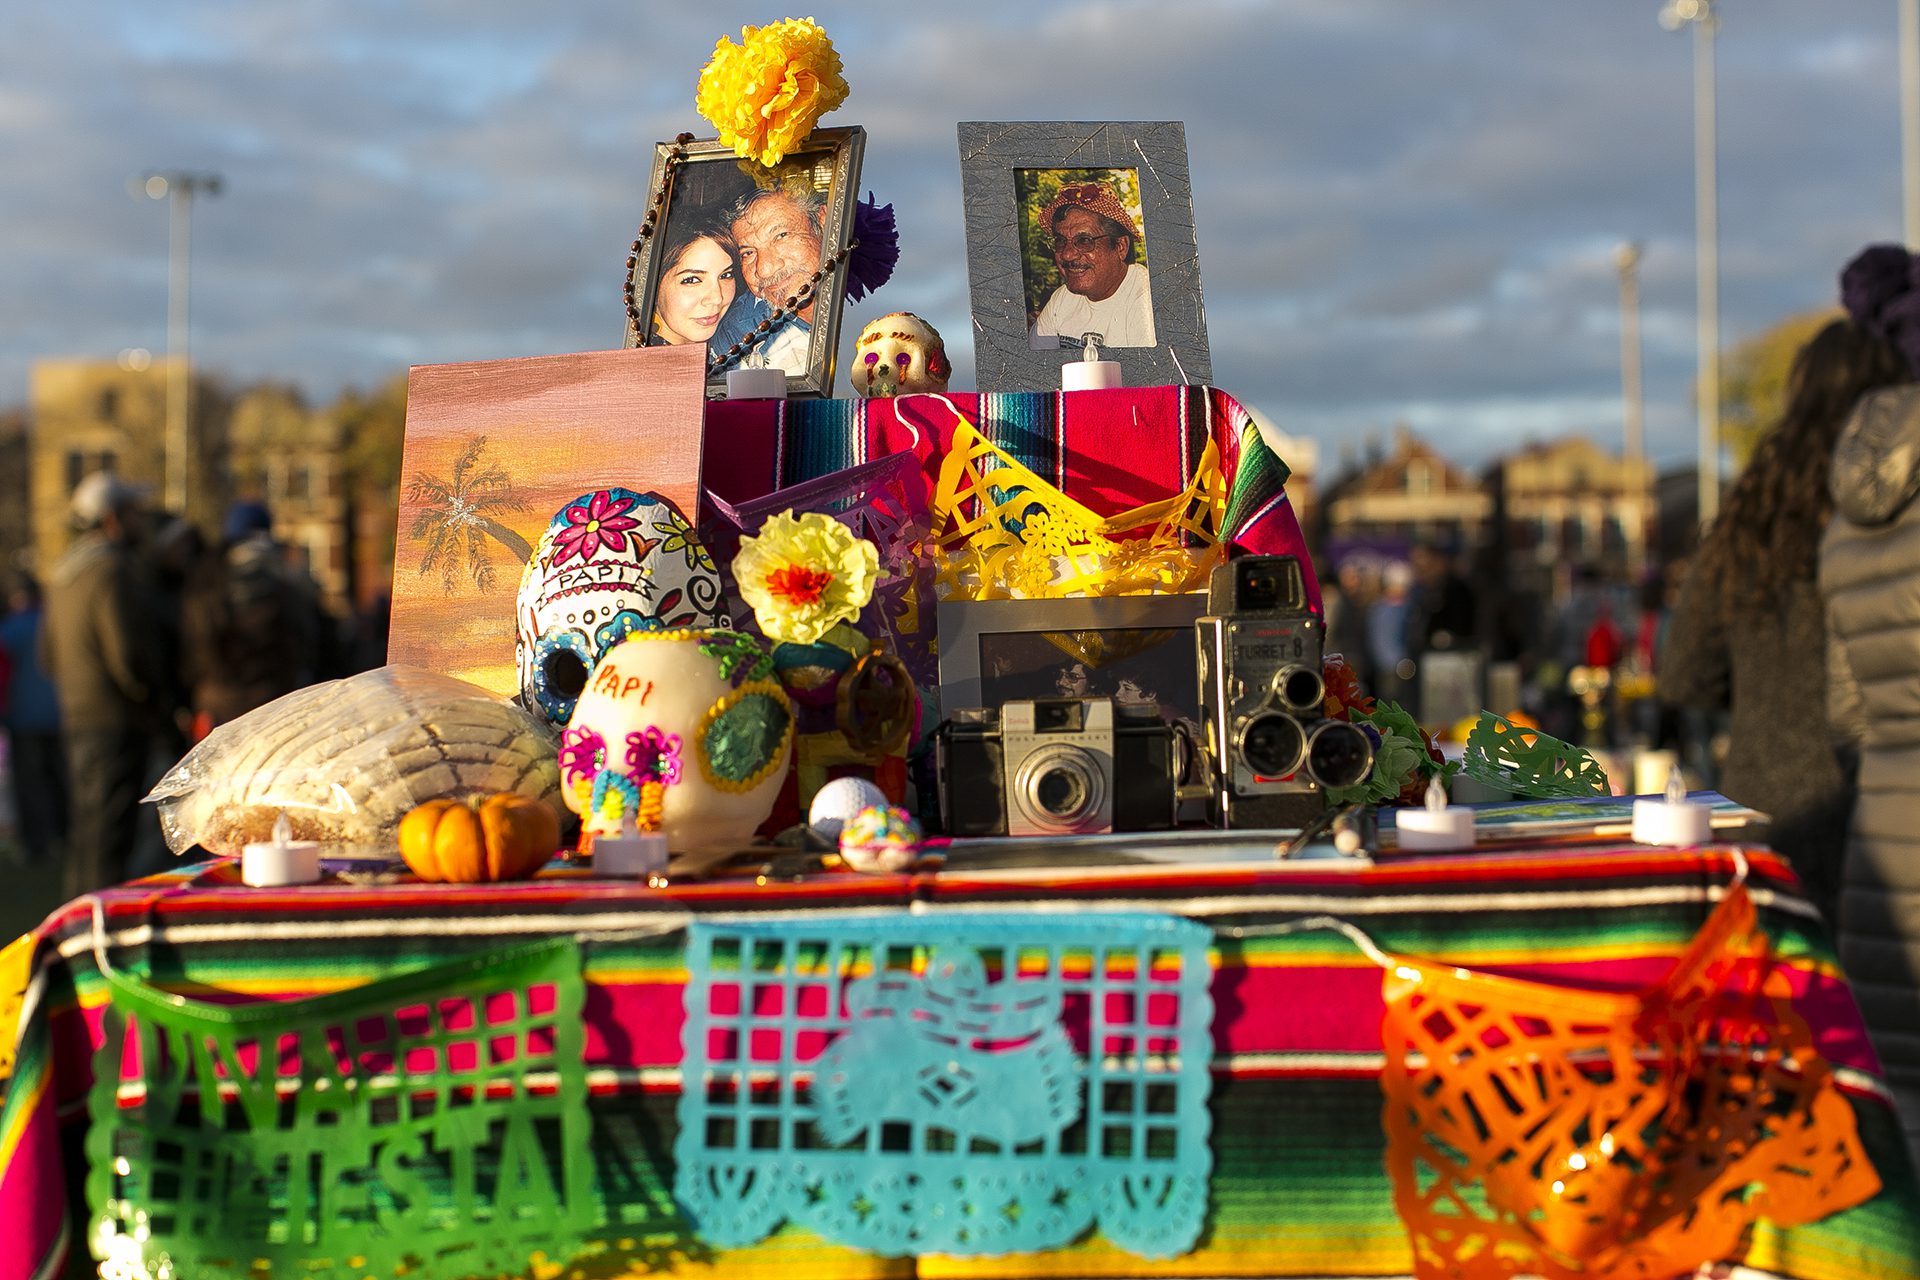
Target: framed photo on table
x=1079, y=228
x=734, y=243
x=1129, y=648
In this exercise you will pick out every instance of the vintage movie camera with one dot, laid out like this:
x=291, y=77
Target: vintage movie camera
x=1261, y=698
x=1056, y=766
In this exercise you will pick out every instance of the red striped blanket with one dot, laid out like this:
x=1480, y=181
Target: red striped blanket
x=1298, y=1185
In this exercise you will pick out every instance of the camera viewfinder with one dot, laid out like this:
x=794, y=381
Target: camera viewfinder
x=1298, y=688
x=1259, y=590
x=1266, y=584
x=1058, y=715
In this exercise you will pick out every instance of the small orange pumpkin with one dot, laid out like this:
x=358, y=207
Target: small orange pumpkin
x=503, y=836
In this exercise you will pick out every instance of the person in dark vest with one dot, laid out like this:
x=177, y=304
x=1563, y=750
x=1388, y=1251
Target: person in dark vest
x=100, y=603
x=251, y=625
x=1869, y=578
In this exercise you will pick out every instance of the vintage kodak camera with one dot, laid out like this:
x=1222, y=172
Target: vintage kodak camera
x=1261, y=699
x=1056, y=766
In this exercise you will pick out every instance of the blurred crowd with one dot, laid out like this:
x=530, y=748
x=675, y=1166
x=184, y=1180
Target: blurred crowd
x=143, y=638
x=1445, y=641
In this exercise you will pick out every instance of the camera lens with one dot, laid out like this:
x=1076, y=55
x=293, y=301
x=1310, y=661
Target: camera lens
x=1272, y=745
x=1299, y=688
x=1059, y=788
x=1339, y=755
x=1060, y=792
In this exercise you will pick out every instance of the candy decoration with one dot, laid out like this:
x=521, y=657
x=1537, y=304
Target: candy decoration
x=900, y=355
x=881, y=839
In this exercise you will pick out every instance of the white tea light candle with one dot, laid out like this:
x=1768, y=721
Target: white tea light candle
x=1090, y=375
x=1090, y=372
x=630, y=852
x=1673, y=820
x=281, y=861
x=1437, y=826
x=756, y=384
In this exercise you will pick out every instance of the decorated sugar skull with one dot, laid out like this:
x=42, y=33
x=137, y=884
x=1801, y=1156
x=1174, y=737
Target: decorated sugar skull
x=610, y=564
x=685, y=732
x=899, y=355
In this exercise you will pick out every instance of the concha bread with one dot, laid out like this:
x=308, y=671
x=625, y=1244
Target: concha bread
x=347, y=759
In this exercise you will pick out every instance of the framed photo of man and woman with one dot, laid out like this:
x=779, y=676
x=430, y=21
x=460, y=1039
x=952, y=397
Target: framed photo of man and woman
x=1077, y=230
x=735, y=243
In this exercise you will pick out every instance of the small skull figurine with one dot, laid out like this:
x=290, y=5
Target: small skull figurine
x=899, y=355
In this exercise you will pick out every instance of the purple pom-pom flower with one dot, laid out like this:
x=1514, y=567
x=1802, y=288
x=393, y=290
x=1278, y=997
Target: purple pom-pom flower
x=872, y=261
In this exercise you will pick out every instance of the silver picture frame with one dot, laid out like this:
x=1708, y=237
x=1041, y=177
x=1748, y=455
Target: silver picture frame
x=1002, y=244
x=1127, y=647
x=695, y=192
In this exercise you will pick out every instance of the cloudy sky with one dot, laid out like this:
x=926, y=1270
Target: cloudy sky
x=1406, y=210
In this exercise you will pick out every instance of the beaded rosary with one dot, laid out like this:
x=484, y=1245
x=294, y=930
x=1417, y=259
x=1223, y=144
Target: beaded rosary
x=759, y=332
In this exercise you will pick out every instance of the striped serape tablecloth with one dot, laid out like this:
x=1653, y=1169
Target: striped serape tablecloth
x=1298, y=1186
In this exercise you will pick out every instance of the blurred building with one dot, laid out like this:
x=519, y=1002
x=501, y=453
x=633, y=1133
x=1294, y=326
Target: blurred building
x=1677, y=499
x=1409, y=495
x=90, y=415
x=265, y=445
x=291, y=457
x=16, y=520
x=1569, y=503
x=1302, y=457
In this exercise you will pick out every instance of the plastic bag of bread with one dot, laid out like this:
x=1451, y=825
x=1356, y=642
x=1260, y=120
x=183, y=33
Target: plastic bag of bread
x=345, y=761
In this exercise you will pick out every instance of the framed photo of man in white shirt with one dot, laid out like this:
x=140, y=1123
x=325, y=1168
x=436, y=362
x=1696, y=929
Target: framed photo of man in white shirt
x=1081, y=233
x=1083, y=259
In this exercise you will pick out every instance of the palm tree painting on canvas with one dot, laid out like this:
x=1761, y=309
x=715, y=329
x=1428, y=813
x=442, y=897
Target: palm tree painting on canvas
x=493, y=450
x=456, y=518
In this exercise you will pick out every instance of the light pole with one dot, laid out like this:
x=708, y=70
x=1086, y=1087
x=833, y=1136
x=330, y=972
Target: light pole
x=178, y=189
x=1700, y=15
x=1910, y=117
x=1626, y=260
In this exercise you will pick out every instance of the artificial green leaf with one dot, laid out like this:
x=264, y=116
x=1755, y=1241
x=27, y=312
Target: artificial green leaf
x=1529, y=763
x=1394, y=761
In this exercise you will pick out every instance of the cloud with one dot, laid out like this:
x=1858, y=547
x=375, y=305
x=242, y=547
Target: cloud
x=1403, y=211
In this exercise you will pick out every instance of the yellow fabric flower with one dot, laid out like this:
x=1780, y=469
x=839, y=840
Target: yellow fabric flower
x=765, y=93
x=802, y=575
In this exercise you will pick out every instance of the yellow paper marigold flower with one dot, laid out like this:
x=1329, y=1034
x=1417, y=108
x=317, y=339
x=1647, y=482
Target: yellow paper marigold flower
x=765, y=93
x=804, y=574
